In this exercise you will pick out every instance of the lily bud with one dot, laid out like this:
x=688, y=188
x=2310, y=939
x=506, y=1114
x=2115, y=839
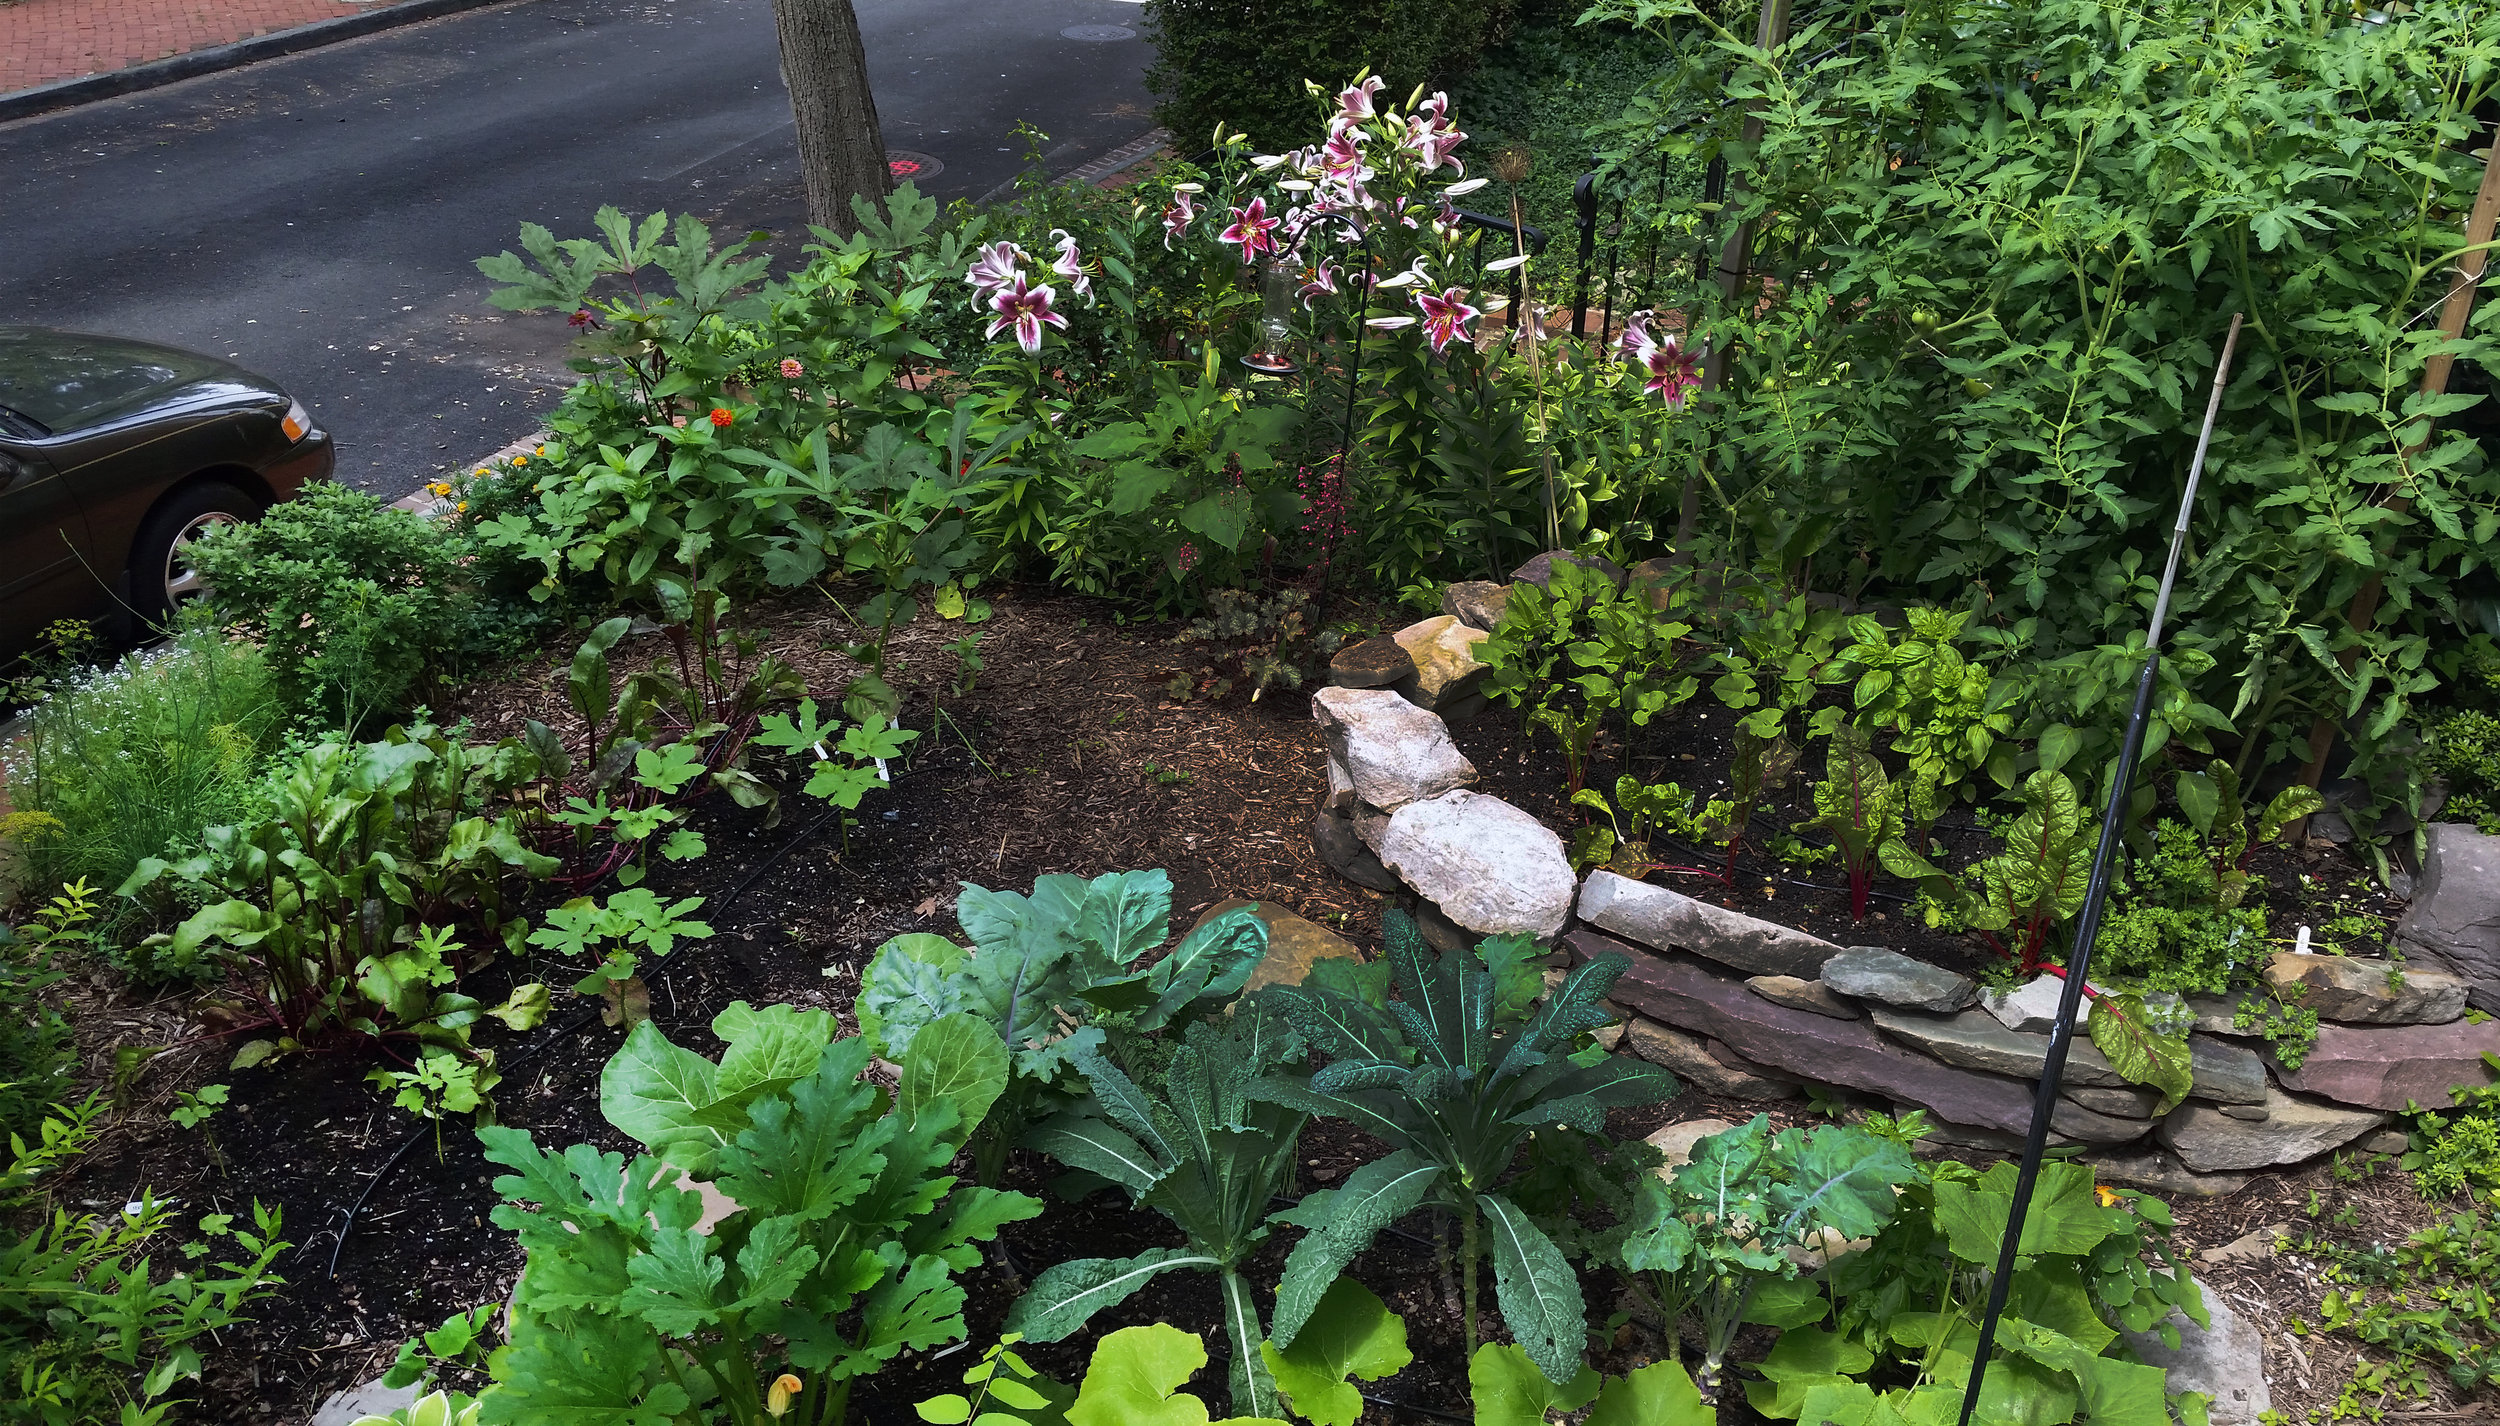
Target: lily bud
x=777, y=1401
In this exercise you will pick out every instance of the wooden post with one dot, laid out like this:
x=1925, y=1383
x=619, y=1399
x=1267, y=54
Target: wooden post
x=1769, y=35
x=2462, y=284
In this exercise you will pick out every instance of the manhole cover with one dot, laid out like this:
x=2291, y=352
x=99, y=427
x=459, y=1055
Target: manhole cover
x=906, y=165
x=1099, y=34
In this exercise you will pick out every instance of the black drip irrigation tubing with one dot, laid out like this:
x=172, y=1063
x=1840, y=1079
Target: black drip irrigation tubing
x=566, y=1031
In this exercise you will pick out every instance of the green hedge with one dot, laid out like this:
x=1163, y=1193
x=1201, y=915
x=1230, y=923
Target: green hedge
x=1242, y=62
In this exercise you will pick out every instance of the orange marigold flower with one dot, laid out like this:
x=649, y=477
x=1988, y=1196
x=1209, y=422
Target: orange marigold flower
x=721, y=416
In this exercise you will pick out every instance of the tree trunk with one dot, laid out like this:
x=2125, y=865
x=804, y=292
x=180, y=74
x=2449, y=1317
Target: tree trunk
x=841, y=149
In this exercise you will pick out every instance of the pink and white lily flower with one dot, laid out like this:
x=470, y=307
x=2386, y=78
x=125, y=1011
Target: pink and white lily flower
x=1025, y=309
x=1342, y=156
x=1446, y=316
x=1635, y=339
x=1388, y=324
x=1072, y=266
x=1432, y=137
x=1251, y=229
x=1672, y=370
x=1178, y=215
x=997, y=266
x=1354, y=103
x=1323, y=277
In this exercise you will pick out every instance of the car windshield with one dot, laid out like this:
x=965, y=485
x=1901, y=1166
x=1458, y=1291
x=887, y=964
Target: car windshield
x=67, y=381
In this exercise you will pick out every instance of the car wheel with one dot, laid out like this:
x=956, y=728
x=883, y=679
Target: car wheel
x=161, y=578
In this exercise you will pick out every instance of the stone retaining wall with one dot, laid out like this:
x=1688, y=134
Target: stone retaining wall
x=1755, y=1010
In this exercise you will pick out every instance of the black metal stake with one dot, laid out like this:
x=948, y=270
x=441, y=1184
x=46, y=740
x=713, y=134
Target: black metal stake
x=2095, y=896
x=1584, y=200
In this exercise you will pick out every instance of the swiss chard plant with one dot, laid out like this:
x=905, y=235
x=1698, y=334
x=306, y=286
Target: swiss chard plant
x=840, y=1255
x=1857, y=806
x=1455, y=1074
x=1042, y=968
x=1754, y=1207
x=1201, y=1151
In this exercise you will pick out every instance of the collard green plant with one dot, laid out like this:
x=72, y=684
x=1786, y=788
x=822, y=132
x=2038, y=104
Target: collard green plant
x=1068, y=950
x=1753, y=1207
x=1454, y=1075
x=841, y=1254
x=1203, y=1153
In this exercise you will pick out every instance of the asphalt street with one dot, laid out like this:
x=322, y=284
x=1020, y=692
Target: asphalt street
x=316, y=217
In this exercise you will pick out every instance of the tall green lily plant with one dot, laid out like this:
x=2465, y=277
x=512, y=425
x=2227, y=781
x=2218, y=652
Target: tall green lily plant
x=1454, y=1075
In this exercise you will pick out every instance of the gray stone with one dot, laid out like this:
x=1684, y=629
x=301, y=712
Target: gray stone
x=371, y=1399
x=2250, y=1112
x=2354, y=990
x=1294, y=943
x=2225, y=1360
x=2160, y=1172
x=2390, y=1066
x=2032, y=1005
x=1799, y=994
x=1440, y=932
x=1662, y=919
x=1477, y=602
x=2294, y=1129
x=1875, y=973
x=1706, y=1064
x=2133, y=1102
x=1340, y=797
x=1490, y=867
x=1372, y=663
x=1682, y=992
x=2385, y=1141
x=1443, y=652
x=1393, y=751
x=2254, y=1246
x=1676, y=1141
x=1463, y=709
x=2454, y=921
x=1541, y=569
x=1975, y=1040
x=2218, y=1014
x=1338, y=845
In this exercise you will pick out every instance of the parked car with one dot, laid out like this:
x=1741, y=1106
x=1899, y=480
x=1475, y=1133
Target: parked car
x=116, y=454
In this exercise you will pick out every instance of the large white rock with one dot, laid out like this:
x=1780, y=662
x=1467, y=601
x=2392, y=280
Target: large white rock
x=2226, y=1361
x=371, y=1399
x=1391, y=751
x=1489, y=866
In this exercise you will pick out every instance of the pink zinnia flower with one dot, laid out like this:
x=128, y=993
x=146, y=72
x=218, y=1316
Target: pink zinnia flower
x=1251, y=228
x=1446, y=316
x=1672, y=370
x=995, y=268
x=1025, y=309
x=791, y=370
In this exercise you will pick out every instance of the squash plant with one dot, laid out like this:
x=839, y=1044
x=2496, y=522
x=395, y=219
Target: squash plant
x=1455, y=1077
x=840, y=1254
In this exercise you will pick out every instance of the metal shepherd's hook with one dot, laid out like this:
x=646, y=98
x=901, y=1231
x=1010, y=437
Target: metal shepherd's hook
x=2096, y=894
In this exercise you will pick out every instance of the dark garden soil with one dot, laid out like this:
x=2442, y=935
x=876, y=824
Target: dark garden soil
x=1066, y=755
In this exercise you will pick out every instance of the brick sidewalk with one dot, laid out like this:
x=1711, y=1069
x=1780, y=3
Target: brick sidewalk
x=45, y=40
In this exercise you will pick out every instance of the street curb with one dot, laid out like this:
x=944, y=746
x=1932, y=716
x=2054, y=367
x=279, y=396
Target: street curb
x=87, y=88
x=1126, y=156
x=425, y=504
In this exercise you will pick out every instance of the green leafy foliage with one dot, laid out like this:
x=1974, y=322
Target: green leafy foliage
x=1454, y=1075
x=93, y=1325
x=355, y=605
x=1069, y=949
x=1351, y=1334
x=1857, y=807
x=315, y=905
x=841, y=1254
x=2127, y=1032
x=1203, y=1152
x=1943, y=712
x=1752, y=1207
x=1134, y=1379
x=2421, y=1308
